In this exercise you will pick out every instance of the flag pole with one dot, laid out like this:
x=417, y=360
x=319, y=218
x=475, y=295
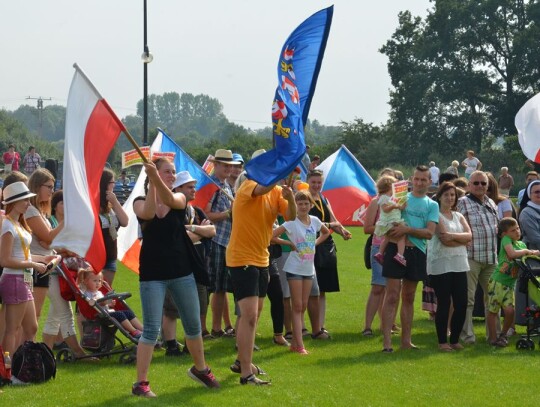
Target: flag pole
x=134, y=144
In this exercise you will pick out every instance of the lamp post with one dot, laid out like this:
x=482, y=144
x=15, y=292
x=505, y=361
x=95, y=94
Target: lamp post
x=146, y=57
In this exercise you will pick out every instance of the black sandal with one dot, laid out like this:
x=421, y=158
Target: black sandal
x=235, y=368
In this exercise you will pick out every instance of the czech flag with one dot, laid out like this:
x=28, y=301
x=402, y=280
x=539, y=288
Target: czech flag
x=528, y=126
x=92, y=129
x=129, y=245
x=297, y=72
x=347, y=185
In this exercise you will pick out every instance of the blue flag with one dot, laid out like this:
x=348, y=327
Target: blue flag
x=298, y=68
x=183, y=162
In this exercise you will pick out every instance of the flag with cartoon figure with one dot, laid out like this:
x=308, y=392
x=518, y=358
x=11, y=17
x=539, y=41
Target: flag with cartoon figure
x=298, y=68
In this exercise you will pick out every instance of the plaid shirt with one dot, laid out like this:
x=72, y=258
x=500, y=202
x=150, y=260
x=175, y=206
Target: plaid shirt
x=482, y=218
x=220, y=203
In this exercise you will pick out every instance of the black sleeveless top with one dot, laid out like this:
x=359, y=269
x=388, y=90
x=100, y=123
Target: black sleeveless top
x=167, y=251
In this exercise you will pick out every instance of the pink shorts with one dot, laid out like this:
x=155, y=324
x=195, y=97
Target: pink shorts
x=14, y=290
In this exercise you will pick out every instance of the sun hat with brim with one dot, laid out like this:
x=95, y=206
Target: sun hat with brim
x=183, y=177
x=16, y=192
x=258, y=153
x=224, y=156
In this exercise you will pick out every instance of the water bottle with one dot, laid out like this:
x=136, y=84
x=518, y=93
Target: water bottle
x=7, y=364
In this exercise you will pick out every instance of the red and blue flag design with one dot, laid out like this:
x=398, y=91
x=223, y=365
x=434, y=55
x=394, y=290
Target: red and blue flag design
x=347, y=185
x=183, y=162
x=298, y=69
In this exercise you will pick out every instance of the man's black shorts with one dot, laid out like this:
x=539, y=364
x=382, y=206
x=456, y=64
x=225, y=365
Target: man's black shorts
x=249, y=281
x=416, y=264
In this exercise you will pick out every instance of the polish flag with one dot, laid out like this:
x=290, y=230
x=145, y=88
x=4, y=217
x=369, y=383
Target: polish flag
x=92, y=129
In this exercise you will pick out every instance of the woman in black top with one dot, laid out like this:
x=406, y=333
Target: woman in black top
x=167, y=261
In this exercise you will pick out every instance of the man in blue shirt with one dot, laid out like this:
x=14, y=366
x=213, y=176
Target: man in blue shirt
x=421, y=217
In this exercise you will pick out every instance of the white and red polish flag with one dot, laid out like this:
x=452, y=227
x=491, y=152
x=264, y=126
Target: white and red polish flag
x=92, y=129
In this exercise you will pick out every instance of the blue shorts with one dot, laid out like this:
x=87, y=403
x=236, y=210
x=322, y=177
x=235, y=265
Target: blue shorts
x=376, y=269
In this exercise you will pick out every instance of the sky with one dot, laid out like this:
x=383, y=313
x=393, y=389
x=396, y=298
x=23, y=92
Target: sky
x=226, y=49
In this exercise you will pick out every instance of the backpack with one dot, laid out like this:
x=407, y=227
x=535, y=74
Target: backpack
x=33, y=363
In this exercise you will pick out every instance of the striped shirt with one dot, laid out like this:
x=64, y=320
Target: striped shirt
x=482, y=218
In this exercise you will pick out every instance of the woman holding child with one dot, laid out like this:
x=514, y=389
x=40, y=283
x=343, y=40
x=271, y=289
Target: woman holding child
x=447, y=265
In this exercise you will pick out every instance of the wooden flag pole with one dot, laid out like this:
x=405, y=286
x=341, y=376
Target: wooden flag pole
x=134, y=144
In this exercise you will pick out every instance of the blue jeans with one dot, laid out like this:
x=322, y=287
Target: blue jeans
x=184, y=293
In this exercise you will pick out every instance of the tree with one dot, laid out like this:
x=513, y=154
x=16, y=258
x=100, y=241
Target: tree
x=463, y=73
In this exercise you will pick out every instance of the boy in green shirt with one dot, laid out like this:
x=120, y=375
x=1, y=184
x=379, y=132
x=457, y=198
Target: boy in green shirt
x=502, y=281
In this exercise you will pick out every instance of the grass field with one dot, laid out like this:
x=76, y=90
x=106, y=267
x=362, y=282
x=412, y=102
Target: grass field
x=347, y=370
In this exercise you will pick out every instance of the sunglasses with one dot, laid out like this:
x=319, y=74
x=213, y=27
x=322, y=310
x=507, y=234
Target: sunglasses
x=483, y=183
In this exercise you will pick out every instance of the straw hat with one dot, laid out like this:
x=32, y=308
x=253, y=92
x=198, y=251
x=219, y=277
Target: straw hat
x=16, y=192
x=258, y=153
x=224, y=156
x=183, y=177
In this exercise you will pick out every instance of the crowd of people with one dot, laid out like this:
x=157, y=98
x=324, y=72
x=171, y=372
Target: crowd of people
x=255, y=241
x=464, y=236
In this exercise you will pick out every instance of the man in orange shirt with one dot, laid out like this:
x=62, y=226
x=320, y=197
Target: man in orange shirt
x=254, y=212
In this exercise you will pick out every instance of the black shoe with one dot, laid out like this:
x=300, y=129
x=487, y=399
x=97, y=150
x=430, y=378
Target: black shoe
x=174, y=352
x=60, y=346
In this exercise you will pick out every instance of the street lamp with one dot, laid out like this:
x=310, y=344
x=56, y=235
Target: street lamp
x=146, y=57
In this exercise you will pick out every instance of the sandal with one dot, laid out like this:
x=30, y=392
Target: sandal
x=284, y=343
x=320, y=335
x=367, y=332
x=288, y=335
x=444, y=347
x=229, y=332
x=301, y=350
x=305, y=332
x=388, y=350
x=235, y=368
x=207, y=335
x=217, y=334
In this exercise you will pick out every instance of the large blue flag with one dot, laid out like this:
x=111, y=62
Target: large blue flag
x=298, y=68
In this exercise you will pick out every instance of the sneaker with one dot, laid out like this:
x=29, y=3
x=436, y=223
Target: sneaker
x=207, y=378
x=175, y=352
x=60, y=346
x=252, y=379
x=379, y=257
x=142, y=389
x=136, y=334
x=400, y=259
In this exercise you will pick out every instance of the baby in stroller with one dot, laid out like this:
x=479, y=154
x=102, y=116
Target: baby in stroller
x=90, y=283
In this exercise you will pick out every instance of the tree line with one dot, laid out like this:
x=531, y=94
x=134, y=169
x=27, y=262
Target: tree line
x=458, y=78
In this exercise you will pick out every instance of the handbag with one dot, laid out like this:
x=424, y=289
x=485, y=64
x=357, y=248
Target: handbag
x=367, y=252
x=325, y=255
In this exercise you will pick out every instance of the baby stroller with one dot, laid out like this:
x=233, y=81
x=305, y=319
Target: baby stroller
x=100, y=330
x=529, y=284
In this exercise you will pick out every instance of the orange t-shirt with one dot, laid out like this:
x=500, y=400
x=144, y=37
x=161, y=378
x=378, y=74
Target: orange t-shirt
x=253, y=217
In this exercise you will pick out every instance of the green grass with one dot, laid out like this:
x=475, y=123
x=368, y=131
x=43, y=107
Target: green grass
x=347, y=370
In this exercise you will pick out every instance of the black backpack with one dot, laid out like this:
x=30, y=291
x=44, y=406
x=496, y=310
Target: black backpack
x=33, y=363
